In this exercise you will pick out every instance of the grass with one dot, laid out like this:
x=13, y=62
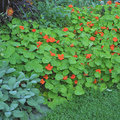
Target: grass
x=93, y=105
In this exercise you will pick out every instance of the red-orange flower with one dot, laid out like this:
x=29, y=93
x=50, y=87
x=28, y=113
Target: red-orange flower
x=98, y=70
x=70, y=6
x=114, y=29
x=40, y=33
x=75, y=81
x=65, y=29
x=112, y=53
x=110, y=70
x=72, y=10
x=58, y=41
x=95, y=81
x=75, y=56
x=21, y=27
x=52, y=39
x=81, y=29
x=115, y=39
x=33, y=30
x=10, y=11
x=103, y=27
x=49, y=67
x=112, y=47
x=45, y=37
x=102, y=46
x=52, y=54
x=73, y=76
x=92, y=38
x=88, y=55
x=81, y=24
x=61, y=57
x=72, y=45
x=109, y=2
x=42, y=81
x=39, y=44
x=65, y=77
x=117, y=3
x=96, y=32
x=45, y=76
x=97, y=18
x=117, y=17
x=79, y=17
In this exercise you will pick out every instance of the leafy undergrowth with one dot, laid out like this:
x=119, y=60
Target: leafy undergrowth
x=93, y=105
x=69, y=60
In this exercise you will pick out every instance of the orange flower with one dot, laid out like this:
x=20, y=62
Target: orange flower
x=102, y=46
x=33, y=30
x=72, y=10
x=42, y=81
x=65, y=77
x=52, y=39
x=109, y=2
x=70, y=6
x=40, y=33
x=79, y=17
x=117, y=3
x=91, y=24
x=49, y=67
x=21, y=27
x=52, y=54
x=96, y=32
x=115, y=39
x=73, y=76
x=97, y=18
x=117, y=17
x=112, y=47
x=58, y=41
x=61, y=57
x=17, y=46
x=39, y=44
x=88, y=55
x=74, y=31
x=45, y=76
x=110, y=70
x=72, y=45
x=65, y=29
x=103, y=27
x=81, y=29
x=81, y=24
x=112, y=53
x=75, y=56
x=95, y=81
x=75, y=81
x=45, y=37
x=98, y=70
x=10, y=11
x=101, y=78
x=114, y=29
x=92, y=38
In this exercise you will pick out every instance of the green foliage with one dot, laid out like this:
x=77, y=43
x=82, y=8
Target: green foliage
x=83, y=50
x=18, y=96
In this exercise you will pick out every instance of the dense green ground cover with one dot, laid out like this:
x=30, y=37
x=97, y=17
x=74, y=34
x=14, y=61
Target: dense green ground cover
x=93, y=105
x=76, y=51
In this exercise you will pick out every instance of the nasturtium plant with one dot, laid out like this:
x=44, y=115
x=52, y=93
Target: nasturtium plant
x=69, y=60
